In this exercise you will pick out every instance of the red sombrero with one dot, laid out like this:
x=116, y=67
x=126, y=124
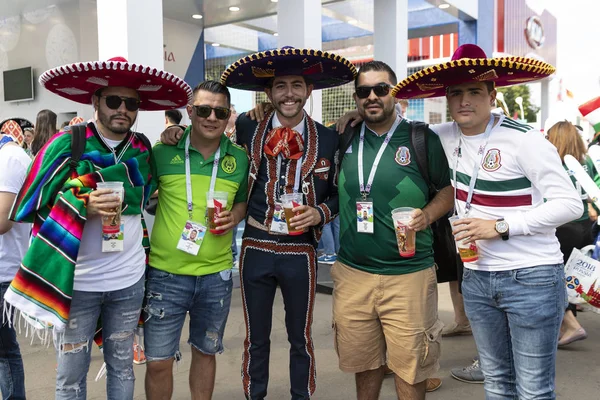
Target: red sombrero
x=469, y=64
x=158, y=90
x=322, y=69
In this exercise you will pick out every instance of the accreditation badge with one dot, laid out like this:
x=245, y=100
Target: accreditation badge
x=364, y=216
x=113, y=237
x=191, y=237
x=278, y=224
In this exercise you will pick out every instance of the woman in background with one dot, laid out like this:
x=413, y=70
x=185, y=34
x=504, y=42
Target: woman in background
x=45, y=128
x=578, y=233
x=28, y=138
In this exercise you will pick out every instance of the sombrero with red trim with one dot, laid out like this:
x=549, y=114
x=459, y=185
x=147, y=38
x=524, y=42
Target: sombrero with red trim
x=322, y=69
x=470, y=64
x=158, y=90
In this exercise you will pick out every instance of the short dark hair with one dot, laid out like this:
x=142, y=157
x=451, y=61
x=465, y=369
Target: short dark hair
x=174, y=116
x=213, y=87
x=378, y=66
x=270, y=81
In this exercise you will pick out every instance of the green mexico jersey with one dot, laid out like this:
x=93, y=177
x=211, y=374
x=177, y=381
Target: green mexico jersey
x=172, y=214
x=397, y=183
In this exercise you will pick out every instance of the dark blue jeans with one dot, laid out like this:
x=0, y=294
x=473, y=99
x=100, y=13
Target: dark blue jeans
x=12, y=375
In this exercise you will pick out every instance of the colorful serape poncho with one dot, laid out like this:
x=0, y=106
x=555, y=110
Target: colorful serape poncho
x=54, y=198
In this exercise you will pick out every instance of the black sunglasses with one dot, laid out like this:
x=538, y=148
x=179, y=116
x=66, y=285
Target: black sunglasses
x=205, y=111
x=381, y=89
x=114, y=102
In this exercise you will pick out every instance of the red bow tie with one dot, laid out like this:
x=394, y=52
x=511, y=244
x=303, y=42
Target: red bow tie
x=284, y=141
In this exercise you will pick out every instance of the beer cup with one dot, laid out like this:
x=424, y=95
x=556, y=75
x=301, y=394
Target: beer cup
x=289, y=202
x=468, y=251
x=405, y=237
x=112, y=225
x=216, y=202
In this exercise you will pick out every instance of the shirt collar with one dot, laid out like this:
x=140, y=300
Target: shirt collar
x=298, y=128
x=225, y=142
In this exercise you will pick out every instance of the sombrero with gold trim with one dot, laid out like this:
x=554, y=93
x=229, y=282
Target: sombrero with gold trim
x=158, y=90
x=470, y=64
x=322, y=69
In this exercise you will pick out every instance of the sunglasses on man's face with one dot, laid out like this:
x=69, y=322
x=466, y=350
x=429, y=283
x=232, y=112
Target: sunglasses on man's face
x=381, y=89
x=205, y=111
x=114, y=102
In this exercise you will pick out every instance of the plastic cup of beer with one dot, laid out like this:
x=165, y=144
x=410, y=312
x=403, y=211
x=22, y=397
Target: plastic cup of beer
x=216, y=202
x=468, y=251
x=405, y=237
x=112, y=225
x=289, y=202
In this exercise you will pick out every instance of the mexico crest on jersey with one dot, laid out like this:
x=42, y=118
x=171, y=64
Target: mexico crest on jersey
x=492, y=160
x=403, y=156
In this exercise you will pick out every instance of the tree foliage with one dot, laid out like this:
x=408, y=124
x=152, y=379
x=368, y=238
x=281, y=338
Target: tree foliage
x=511, y=93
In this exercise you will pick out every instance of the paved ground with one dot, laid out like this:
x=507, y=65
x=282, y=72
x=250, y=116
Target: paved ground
x=578, y=367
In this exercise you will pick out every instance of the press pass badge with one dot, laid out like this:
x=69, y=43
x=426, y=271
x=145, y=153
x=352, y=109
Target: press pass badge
x=364, y=216
x=191, y=237
x=278, y=224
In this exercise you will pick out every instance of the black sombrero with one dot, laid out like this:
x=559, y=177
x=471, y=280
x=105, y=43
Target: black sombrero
x=322, y=69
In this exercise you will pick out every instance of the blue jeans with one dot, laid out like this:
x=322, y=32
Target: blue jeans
x=170, y=297
x=516, y=316
x=330, y=240
x=12, y=375
x=120, y=312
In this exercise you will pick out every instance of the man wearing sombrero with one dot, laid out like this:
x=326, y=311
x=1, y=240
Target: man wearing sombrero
x=511, y=192
x=289, y=153
x=68, y=280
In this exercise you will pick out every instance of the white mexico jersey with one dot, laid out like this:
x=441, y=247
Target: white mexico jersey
x=515, y=177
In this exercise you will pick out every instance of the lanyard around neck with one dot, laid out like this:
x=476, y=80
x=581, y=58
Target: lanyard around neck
x=365, y=190
x=477, y=164
x=188, y=174
x=116, y=158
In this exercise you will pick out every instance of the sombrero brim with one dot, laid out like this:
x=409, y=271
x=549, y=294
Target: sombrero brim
x=23, y=123
x=158, y=90
x=322, y=69
x=505, y=71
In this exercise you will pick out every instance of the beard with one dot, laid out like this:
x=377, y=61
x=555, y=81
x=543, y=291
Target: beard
x=380, y=116
x=114, y=125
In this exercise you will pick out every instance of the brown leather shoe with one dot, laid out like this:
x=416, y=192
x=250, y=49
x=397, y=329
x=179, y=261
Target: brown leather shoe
x=433, y=384
x=388, y=371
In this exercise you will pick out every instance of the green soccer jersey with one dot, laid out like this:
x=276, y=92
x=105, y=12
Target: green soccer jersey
x=397, y=183
x=172, y=214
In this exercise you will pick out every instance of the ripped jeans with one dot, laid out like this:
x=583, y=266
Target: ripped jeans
x=119, y=311
x=171, y=297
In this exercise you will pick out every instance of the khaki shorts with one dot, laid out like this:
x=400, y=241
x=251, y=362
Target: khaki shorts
x=391, y=319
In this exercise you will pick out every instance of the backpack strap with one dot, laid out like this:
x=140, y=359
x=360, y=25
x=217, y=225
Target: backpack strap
x=145, y=140
x=418, y=138
x=346, y=139
x=77, y=144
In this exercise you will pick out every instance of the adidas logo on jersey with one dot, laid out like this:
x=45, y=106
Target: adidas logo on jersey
x=177, y=160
